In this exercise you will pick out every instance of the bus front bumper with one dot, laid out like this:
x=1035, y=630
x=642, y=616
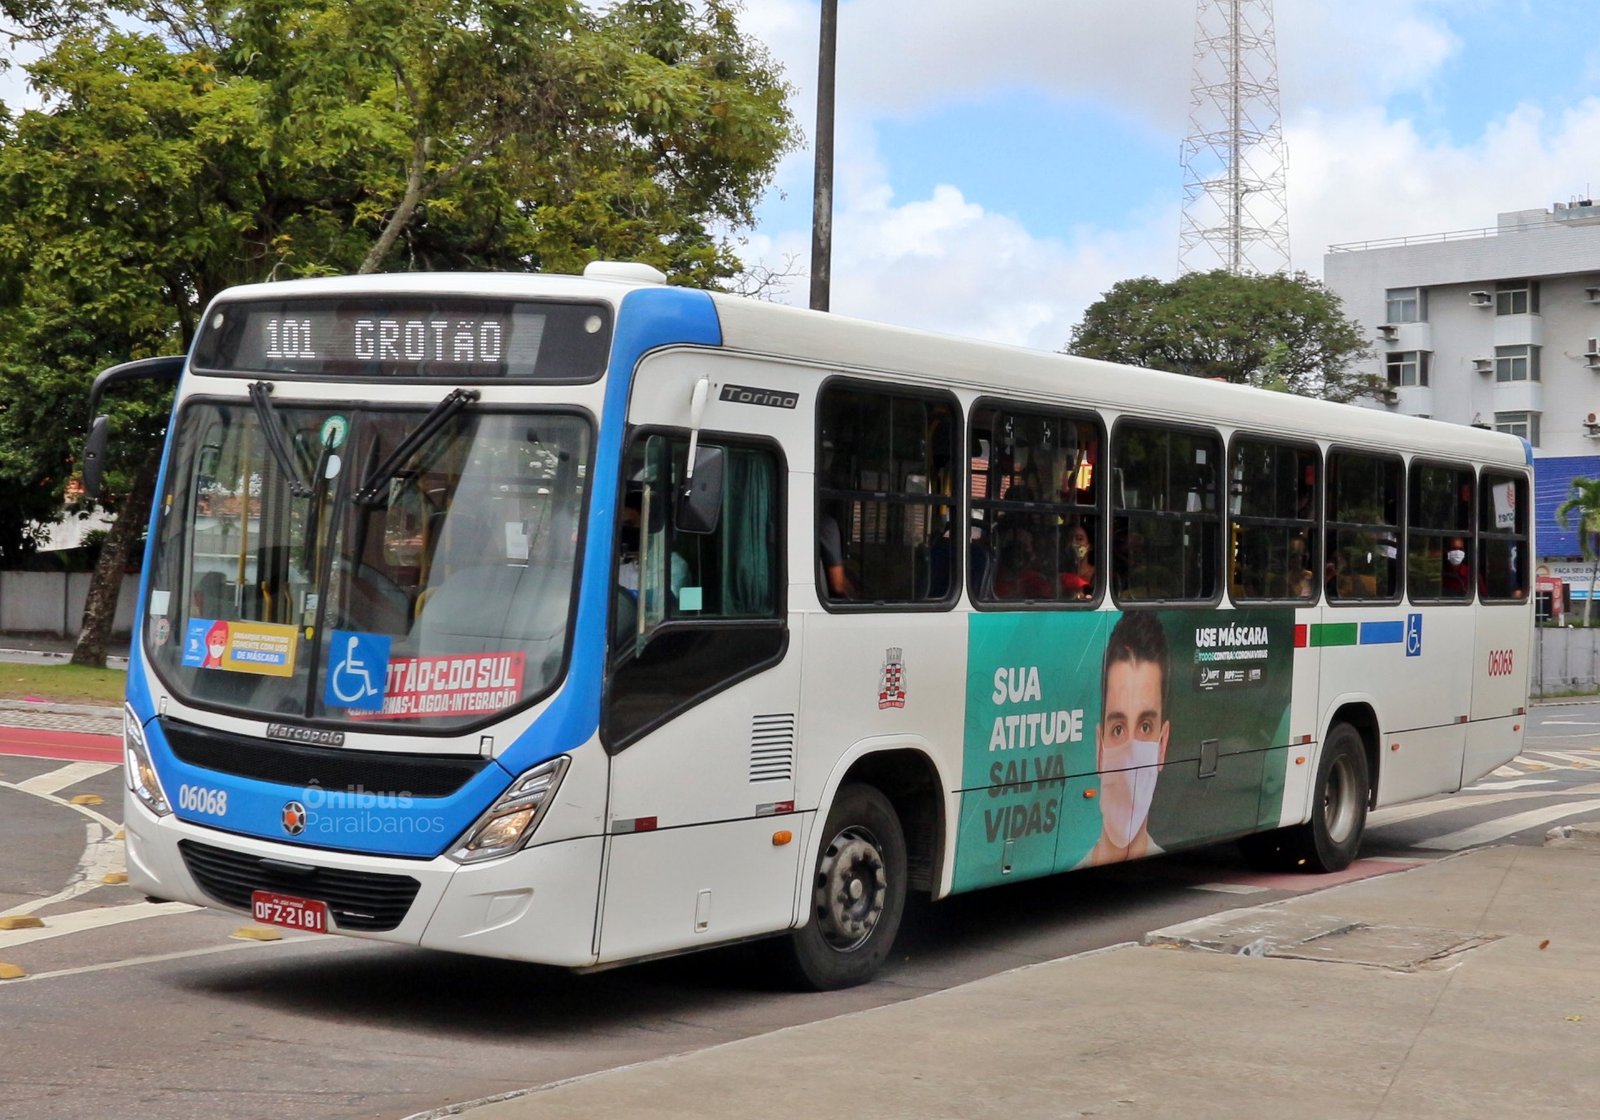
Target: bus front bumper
x=537, y=905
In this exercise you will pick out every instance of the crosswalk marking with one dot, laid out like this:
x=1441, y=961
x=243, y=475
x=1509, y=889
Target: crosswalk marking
x=1517, y=784
x=1505, y=826
x=1582, y=761
x=59, y=779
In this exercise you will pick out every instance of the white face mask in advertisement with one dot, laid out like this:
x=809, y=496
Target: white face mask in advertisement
x=1455, y=556
x=1127, y=788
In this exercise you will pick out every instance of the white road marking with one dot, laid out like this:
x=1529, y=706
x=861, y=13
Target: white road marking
x=1518, y=783
x=1229, y=888
x=155, y=958
x=59, y=925
x=1581, y=761
x=1505, y=826
x=69, y=775
x=1448, y=804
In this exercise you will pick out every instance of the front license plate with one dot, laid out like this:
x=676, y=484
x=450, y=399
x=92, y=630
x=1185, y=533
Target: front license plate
x=290, y=912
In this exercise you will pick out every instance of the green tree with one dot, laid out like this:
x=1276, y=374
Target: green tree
x=1281, y=332
x=1583, y=503
x=182, y=148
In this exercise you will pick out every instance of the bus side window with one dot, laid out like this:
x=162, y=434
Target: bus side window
x=1503, y=538
x=1166, y=521
x=1362, y=548
x=885, y=502
x=1272, y=520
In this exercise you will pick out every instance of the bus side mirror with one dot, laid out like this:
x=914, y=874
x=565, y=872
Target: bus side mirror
x=94, y=455
x=699, y=504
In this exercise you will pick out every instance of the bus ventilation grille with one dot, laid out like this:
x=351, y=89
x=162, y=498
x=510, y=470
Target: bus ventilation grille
x=772, y=748
x=358, y=900
x=299, y=765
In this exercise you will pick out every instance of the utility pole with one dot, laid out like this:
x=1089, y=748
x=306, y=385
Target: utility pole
x=1235, y=206
x=822, y=191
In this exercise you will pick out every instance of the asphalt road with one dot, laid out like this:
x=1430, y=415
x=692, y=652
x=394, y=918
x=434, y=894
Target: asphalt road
x=138, y=1010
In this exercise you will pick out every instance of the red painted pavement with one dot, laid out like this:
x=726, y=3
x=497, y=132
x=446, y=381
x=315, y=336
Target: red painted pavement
x=69, y=746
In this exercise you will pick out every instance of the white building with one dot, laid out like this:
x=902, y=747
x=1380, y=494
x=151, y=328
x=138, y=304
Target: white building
x=1498, y=327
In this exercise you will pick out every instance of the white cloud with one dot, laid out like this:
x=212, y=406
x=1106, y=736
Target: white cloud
x=1366, y=176
x=1357, y=170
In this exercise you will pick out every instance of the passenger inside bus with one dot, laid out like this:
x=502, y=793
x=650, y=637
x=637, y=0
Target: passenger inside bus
x=1017, y=575
x=1455, y=574
x=830, y=546
x=1077, y=576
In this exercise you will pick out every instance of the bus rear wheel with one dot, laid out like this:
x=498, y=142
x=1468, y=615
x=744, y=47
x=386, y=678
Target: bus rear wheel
x=1330, y=839
x=858, y=893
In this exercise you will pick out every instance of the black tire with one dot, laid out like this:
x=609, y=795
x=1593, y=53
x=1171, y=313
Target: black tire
x=858, y=893
x=1330, y=840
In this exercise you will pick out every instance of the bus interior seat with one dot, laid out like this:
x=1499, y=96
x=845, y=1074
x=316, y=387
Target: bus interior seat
x=208, y=596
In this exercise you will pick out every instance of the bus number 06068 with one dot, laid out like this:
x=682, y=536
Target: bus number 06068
x=199, y=799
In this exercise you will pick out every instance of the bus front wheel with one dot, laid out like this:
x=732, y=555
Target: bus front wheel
x=858, y=892
x=1330, y=839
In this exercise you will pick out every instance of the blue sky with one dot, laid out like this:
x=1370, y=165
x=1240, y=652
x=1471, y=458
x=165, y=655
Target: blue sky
x=1002, y=164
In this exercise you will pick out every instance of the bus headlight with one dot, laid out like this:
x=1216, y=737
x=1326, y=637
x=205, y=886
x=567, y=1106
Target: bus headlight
x=507, y=824
x=141, y=774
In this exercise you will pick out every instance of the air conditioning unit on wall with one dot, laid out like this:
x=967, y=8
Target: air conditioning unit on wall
x=1480, y=299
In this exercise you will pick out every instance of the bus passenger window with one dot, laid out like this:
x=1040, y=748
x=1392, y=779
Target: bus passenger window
x=1036, y=516
x=1503, y=538
x=1166, y=523
x=1272, y=489
x=885, y=497
x=1362, y=547
x=1439, y=552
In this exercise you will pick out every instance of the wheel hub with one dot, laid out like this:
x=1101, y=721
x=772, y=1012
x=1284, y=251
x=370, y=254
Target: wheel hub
x=851, y=886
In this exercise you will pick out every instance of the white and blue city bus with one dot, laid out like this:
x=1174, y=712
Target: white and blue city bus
x=588, y=620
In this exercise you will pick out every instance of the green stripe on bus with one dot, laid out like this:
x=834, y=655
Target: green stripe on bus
x=1333, y=633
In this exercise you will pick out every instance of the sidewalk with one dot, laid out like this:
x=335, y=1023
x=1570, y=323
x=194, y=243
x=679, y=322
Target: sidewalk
x=1469, y=987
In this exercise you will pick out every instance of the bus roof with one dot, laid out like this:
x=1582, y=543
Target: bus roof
x=846, y=345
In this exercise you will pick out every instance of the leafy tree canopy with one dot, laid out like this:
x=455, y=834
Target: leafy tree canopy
x=186, y=146
x=1278, y=332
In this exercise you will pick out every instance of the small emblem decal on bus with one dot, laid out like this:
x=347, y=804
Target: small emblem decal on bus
x=314, y=735
x=1413, y=635
x=767, y=398
x=892, y=680
x=294, y=818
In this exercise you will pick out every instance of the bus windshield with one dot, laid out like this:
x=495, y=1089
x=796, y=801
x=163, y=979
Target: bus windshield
x=398, y=568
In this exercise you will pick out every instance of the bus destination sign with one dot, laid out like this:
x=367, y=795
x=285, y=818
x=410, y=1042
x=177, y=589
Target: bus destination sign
x=450, y=339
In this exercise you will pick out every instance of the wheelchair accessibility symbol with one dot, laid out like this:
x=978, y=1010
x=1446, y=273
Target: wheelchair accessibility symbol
x=1413, y=635
x=358, y=666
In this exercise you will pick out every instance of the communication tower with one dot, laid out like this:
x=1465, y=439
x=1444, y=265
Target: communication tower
x=1235, y=210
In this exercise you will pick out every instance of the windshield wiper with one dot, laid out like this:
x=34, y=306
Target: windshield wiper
x=369, y=493
x=272, y=430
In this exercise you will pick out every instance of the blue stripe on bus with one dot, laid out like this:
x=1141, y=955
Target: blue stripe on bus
x=372, y=822
x=649, y=319
x=1382, y=633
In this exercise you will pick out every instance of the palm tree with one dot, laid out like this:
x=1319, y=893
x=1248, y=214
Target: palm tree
x=1584, y=501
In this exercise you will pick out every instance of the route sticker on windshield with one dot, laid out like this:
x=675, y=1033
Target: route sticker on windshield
x=240, y=647
x=334, y=429
x=452, y=685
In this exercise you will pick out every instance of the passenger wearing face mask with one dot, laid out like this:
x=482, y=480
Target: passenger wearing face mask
x=1077, y=581
x=1455, y=575
x=1131, y=738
